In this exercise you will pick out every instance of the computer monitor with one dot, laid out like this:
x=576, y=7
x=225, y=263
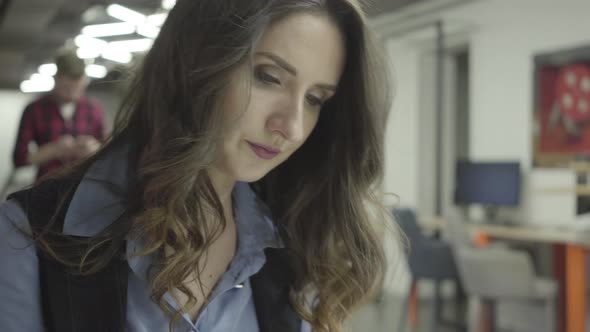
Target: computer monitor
x=490, y=184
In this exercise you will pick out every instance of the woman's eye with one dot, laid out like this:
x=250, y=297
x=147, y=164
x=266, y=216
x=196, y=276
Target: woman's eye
x=314, y=101
x=264, y=77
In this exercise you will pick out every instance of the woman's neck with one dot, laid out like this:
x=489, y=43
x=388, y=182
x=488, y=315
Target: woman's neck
x=223, y=186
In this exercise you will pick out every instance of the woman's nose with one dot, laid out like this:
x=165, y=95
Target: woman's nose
x=287, y=120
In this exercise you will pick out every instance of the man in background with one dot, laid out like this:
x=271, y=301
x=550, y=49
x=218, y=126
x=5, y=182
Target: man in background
x=64, y=124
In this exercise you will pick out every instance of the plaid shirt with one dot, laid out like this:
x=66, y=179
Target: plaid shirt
x=43, y=123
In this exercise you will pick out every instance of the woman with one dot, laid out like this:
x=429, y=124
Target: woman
x=242, y=110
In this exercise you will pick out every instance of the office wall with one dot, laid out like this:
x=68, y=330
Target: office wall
x=502, y=83
x=12, y=104
x=402, y=140
x=502, y=38
x=502, y=68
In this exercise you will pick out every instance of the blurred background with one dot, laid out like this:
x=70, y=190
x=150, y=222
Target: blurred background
x=487, y=151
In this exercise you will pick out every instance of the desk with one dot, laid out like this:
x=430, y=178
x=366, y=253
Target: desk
x=570, y=246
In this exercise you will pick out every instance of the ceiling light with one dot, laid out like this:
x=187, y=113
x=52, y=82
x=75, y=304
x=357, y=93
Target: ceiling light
x=168, y=4
x=96, y=71
x=88, y=53
x=134, y=45
x=125, y=14
x=157, y=19
x=41, y=83
x=148, y=30
x=40, y=77
x=109, y=29
x=116, y=55
x=89, y=47
x=84, y=41
x=48, y=69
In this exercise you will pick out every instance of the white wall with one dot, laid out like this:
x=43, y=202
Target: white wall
x=401, y=149
x=12, y=104
x=502, y=82
x=502, y=68
x=503, y=38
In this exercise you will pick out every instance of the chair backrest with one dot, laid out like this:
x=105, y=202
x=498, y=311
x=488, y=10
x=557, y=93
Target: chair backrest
x=407, y=221
x=495, y=272
x=427, y=257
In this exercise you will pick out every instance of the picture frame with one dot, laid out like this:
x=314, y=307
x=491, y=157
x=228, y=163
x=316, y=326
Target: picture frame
x=561, y=112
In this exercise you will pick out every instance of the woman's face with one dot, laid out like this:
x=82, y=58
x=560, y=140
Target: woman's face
x=296, y=67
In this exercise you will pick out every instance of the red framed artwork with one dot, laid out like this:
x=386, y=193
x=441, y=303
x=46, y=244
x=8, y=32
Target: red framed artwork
x=562, y=108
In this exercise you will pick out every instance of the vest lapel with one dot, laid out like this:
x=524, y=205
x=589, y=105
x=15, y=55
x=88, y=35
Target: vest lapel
x=98, y=302
x=270, y=289
x=72, y=302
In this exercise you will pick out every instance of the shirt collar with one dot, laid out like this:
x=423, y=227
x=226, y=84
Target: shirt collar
x=100, y=199
x=253, y=220
x=256, y=231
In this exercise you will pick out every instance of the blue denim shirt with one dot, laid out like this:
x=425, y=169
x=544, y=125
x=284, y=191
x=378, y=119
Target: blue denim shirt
x=98, y=201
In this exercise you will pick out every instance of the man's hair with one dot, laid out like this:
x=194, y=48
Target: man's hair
x=68, y=64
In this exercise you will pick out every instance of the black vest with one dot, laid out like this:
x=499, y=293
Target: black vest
x=98, y=302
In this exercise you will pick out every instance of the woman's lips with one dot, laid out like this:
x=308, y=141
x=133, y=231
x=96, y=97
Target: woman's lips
x=264, y=151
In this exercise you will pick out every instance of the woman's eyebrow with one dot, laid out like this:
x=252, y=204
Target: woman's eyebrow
x=327, y=87
x=289, y=68
x=279, y=61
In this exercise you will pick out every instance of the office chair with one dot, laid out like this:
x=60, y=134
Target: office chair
x=428, y=258
x=501, y=274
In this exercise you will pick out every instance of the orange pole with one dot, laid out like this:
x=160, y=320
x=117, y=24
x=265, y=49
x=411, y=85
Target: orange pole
x=486, y=317
x=414, y=305
x=575, y=274
x=559, y=275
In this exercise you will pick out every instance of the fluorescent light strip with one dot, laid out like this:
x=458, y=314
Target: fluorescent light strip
x=148, y=30
x=48, y=69
x=116, y=55
x=109, y=29
x=84, y=41
x=39, y=84
x=40, y=77
x=125, y=14
x=168, y=4
x=96, y=71
x=88, y=53
x=134, y=45
x=89, y=47
x=157, y=19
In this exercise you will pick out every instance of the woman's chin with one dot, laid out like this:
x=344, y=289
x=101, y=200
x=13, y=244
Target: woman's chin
x=253, y=176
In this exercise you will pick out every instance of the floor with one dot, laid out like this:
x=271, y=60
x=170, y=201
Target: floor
x=384, y=316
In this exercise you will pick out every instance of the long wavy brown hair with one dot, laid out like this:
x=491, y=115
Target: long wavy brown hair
x=323, y=196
